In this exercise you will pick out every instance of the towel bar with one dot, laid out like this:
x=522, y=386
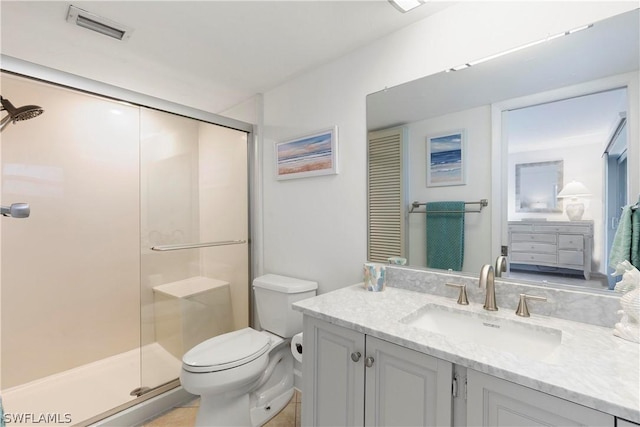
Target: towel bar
x=163, y=248
x=483, y=203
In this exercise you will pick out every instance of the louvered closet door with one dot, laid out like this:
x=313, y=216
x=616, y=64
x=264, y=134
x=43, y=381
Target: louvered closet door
x=386, y=200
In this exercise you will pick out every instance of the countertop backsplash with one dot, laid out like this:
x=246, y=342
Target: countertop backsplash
x=598, y=309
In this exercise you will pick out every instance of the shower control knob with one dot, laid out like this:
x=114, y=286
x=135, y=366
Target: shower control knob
x=355, y=356
x=368, y=362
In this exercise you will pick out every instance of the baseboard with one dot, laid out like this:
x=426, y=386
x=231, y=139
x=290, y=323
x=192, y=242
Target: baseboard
x=138, y=414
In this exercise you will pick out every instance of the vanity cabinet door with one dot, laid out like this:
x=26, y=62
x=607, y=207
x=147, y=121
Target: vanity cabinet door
x=495, y=402
x=333, y=375
x=405, y=387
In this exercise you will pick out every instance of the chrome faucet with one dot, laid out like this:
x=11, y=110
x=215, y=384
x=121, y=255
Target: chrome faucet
x=501, y=266
x=487, y=281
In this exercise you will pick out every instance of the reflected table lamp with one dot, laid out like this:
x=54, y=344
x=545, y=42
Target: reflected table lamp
x=574, y=206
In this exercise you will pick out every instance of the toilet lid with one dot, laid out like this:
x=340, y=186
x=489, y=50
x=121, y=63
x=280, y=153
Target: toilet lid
x=226, y=351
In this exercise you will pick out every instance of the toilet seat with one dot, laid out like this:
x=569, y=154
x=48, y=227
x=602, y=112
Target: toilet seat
x=226, y=351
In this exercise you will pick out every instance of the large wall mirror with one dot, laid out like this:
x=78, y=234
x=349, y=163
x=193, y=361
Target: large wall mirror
x=557, y=107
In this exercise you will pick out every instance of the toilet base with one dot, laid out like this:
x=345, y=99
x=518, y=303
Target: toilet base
x=253, y=404
x=262, y=414
x=235, y=412
x=223, y=412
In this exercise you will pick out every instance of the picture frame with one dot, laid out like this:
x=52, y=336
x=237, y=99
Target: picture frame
x=306, y=156
x=445, y=158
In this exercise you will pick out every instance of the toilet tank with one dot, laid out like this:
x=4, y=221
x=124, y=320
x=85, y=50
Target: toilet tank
x=274, y=295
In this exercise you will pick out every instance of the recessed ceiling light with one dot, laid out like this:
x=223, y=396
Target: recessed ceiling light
x=406, y=5
x=96, y=23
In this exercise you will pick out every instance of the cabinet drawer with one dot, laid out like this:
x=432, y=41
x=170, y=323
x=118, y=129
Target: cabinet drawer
x=570, y=241
x=581, y=229
x=571, y=257
x=532, y=237
x=530, y=258
x=521, y=228
x=533, y=247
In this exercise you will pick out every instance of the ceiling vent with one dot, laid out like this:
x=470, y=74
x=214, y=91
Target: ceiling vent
x=98, y=24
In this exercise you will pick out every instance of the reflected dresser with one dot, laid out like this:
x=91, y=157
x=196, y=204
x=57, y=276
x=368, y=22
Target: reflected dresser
x=562, y=244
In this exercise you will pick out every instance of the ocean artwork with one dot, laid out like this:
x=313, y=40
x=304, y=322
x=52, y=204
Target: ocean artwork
x=307, y=156
x=445, y=161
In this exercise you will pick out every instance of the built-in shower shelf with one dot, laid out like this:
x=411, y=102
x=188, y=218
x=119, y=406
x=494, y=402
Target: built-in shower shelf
x=190, y=311
x=190, y=287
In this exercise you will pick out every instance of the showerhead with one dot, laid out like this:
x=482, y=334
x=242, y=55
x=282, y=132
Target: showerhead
x=17, y=114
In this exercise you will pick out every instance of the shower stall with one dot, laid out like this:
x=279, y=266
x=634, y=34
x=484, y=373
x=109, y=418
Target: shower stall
x=136, y=248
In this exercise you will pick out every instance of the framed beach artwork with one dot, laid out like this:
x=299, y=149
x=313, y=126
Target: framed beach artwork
x=445, y=159
x=310, y=155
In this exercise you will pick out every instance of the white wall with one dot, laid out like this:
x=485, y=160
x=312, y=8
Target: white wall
x=315, y=228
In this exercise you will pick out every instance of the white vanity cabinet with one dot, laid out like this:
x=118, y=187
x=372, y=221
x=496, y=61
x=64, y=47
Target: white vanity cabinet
x=495, y=402
x=351, y=379
x=564, y=244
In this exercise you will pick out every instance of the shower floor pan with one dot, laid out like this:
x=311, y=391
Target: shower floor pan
x=86, y=391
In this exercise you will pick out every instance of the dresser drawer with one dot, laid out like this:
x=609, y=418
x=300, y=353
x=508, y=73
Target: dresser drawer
x=571, y=258
x=530, y=258
x=525, y=228
x=534, y=247
x=580, y=229
x=532, y=237
x=570, y=241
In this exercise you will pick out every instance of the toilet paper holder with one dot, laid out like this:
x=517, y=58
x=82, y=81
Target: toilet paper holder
x=296, y=347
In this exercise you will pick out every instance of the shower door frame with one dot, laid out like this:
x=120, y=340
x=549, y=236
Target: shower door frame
x=44, y=74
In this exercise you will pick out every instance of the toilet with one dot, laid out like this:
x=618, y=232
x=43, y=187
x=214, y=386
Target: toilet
x=245, y=377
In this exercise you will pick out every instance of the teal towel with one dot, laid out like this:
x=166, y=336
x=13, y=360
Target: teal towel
x=635, y=238
x=445, y=235
x=621, y=247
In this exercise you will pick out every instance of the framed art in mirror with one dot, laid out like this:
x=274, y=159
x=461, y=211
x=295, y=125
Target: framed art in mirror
x=445, y=159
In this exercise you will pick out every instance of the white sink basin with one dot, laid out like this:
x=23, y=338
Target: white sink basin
x=513, y=336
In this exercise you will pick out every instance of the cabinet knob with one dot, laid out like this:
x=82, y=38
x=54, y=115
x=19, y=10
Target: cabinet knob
x=355, y=356
x=368, y=362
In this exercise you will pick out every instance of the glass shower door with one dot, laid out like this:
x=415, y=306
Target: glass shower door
x=70, y=271
x=194, y=238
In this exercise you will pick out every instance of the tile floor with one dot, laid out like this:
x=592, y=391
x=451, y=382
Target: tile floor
x=185, y=415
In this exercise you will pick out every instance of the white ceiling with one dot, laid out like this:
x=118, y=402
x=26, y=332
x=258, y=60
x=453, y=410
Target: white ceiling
x=230, y=50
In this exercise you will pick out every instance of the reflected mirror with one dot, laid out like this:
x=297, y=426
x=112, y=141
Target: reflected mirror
x=537, y=186
x=502, y=100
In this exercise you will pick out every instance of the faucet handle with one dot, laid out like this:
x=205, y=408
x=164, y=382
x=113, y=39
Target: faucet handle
x=462, y=297
x=523, y=310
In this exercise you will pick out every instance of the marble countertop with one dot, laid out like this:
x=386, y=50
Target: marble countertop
x=591, y=367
